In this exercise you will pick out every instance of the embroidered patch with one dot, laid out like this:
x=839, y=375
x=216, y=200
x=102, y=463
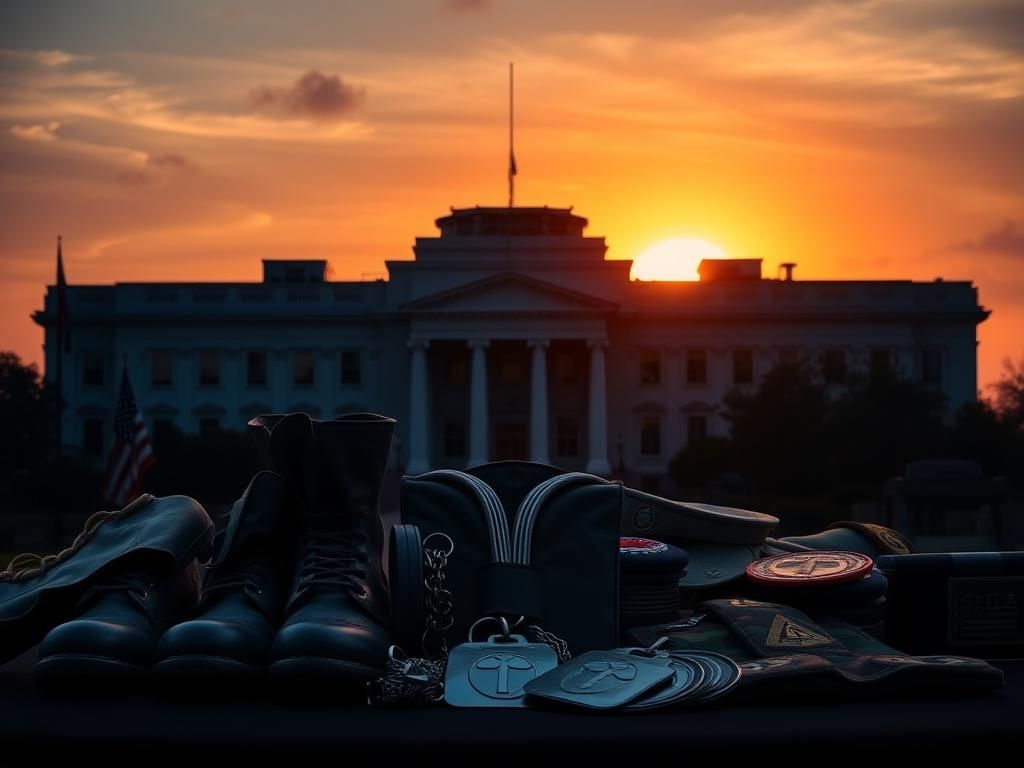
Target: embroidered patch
x=786, y=633
x=810, y=567
x=638, y=546
x=890, y=538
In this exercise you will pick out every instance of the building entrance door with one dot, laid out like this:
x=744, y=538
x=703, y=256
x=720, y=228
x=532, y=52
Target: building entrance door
x=510, y=441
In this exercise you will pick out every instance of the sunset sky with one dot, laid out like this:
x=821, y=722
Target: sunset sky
x=188, y=140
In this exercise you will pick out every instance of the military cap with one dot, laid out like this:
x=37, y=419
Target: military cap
x=720, y=541
x=867, y=538
x=649, y=573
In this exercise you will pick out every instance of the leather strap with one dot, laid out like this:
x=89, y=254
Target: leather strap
x=514, y=590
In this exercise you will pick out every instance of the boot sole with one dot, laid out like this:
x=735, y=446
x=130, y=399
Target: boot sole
x=71, y=670
x=203, y=667
x=313, y=669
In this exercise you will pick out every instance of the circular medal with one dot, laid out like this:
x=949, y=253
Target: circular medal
x=811, y=567
x=688, y=678
x=722, y=674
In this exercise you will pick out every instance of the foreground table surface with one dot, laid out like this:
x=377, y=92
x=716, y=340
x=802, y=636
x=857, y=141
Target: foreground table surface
x=204, y=721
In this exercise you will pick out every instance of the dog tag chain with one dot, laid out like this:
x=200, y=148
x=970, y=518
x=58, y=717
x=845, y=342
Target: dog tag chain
x=439, y=598
x=410, y=680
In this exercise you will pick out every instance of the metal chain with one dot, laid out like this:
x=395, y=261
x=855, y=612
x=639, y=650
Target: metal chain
x=439, y=604
x=420, y=680
x=553, y=641
x=408, y=681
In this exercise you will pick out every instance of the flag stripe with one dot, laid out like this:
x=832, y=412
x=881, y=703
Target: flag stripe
x=131, y=456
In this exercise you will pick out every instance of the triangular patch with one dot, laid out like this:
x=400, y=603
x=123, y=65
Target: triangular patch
x=786, y=633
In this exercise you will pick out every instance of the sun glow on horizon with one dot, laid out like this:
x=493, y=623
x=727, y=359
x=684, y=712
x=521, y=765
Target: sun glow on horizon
x=675, y=259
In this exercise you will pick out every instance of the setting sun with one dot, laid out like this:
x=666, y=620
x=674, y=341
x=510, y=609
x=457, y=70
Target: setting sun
x=675, y=259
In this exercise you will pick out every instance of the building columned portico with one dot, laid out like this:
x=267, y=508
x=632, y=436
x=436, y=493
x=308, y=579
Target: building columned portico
x=479, y=416
x=507, y=336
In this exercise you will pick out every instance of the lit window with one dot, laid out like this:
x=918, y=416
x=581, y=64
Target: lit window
x=650, y=366
x=650, y=435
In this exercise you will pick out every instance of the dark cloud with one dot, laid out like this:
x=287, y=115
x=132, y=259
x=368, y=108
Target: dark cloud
x=464, y=6
x=1006, y=240
x=316, y=95
x=999, y=23
x=170, y=160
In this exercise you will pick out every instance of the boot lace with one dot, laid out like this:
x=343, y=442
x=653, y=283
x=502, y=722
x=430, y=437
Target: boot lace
x=334, y=559
x=28, y=565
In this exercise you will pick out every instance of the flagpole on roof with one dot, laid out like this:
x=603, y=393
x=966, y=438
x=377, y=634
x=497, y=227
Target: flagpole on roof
x=511, y=141
x=60, y=336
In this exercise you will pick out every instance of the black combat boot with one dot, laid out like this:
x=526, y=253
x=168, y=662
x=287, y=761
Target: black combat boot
x=243, y=592
x=154, y=536
x=336, y=618
x=118, y=623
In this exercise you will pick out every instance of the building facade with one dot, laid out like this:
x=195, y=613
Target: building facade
x=509, y=335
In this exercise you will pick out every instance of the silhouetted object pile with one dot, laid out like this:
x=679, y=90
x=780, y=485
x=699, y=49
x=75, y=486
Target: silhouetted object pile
x=509, y=585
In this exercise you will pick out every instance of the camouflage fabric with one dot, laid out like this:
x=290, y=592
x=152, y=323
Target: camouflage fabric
x=783, y=651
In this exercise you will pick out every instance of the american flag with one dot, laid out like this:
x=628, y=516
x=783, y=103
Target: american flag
x=132, y=454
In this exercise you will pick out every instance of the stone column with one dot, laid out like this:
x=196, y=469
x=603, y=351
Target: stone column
x=419, y=454
x=478, y=414
x=539, y=401
x=597, y=430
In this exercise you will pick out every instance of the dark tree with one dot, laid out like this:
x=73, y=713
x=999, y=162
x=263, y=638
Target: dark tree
x=24, y=413
x=879, y=424
x=781, y=434
x=702, y=462
x=1008, y=392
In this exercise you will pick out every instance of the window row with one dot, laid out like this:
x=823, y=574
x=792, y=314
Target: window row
x=209, y=374
x=834, y=364
x=513, y=367
x=651, y=432
x=567, y=438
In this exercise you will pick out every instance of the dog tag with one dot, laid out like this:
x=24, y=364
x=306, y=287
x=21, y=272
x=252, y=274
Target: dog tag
x=604, y=679
x=493, y=674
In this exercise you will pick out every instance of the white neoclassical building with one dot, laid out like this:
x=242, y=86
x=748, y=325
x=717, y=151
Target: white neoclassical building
x=509, y=335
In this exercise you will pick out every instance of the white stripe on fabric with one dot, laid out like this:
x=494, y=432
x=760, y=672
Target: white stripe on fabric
x=526, y=515
x=494, y=512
